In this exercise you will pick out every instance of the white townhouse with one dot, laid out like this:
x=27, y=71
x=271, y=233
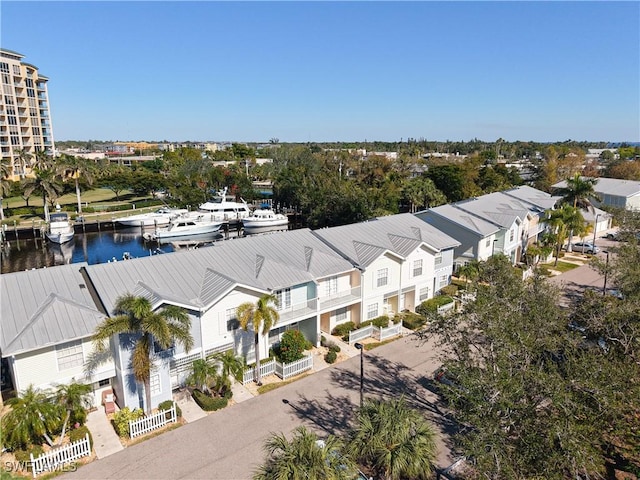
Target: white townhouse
x=502, y=222
x=321, y=279
x=48, y=317
x=401, y=260
x=210, y=283
x=614, y=192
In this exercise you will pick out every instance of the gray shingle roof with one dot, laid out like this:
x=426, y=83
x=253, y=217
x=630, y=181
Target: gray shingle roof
x=44, y=307
x=363, y=243
x=196, y=278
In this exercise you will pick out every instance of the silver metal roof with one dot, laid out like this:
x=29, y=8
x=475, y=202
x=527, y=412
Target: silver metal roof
x=498, y=208
x=44, y=307
x=363, y=243
x=465, y=219
x=612, y=186
x=533, y=196
x=197, y=278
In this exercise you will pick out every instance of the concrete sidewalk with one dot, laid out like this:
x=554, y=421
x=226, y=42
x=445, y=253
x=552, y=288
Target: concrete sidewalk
x=105, y=439
x=191, y=411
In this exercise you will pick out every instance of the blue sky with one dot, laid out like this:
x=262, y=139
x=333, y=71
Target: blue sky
x=334, y=71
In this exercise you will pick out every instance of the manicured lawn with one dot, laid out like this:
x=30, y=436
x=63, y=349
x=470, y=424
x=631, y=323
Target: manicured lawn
x=562, y=266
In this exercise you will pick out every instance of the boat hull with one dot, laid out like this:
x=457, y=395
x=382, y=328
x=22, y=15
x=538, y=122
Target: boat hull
x=150, y=219
x=60, y=237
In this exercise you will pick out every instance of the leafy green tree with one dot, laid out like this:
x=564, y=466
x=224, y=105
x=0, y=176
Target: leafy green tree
x=5, y=183
x=393, y=440
x=135, y=316
x=255, y=316
x=32, y=418
x=449, y=179
x=77, y=168
x=116, y=178
x=304, y=457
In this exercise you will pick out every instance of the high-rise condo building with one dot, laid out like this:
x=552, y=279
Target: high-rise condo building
x=25, y=121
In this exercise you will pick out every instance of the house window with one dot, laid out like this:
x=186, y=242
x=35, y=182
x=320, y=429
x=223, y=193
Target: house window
x=372, y=311
x=424, y=294
x=383, y=277
x=340, y=315
x=70, y=355
x=511, y=235
x=284, y=298
x=331, y=286
x=104, y=383
x=232, y=320
x=417, y=268
x=487, y=244
x=444, y=280
x=438, y=258
x=154, y=384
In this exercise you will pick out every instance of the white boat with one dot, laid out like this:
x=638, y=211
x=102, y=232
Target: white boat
x=60, y=229
x=186, y=225
x=161, y=216
x=265, y=219
x=224, y=208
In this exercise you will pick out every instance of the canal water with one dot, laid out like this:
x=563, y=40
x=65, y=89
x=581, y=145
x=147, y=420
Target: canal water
x=92, y=247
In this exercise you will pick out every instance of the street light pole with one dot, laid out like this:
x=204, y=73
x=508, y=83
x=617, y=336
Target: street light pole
x=606, y=271
x=360, y=347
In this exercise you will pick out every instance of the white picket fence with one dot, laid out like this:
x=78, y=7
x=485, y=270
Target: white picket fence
x=375, y=332
x=266, y=368
x=53, y=460
x=446, y=307
x=153, y=422
x=288, y=370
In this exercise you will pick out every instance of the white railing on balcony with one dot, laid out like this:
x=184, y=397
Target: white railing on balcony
x=329, y=301
x=53, y=461
x=288, y=370
x=267, y=368
x=152, y=422
x=301, y=309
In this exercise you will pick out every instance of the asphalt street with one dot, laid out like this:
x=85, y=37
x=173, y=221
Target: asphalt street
x=228, y=444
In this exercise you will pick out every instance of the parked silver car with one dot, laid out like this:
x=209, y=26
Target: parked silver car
x=585, y=247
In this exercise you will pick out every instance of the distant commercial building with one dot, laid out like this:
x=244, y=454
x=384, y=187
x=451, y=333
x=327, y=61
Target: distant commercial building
x=25, y=120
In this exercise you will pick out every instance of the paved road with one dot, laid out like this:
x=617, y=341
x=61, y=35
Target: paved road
x=228, y=443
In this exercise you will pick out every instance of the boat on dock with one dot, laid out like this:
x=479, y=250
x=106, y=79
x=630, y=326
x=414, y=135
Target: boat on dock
x=60, y=228
x=265, y=220
x=225, y=208
x=184, y=226
x=161, y=217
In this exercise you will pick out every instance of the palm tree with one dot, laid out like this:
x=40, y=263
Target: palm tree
x=393, y=440
x=134, y=315
x=46, y=183
x=469, y=272
x=201, y=375
x=33, y=416
x=562, y=221
x=75, y=168
x=229, y=363
x=23, y=159
x=5, y=183
x=76, y=399
x=304, y=457
x=579, y=191
x=261, y=314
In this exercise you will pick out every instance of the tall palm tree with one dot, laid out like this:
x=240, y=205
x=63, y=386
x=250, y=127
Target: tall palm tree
x=469, y=272
x=229, y=363
x=5, y=183
x=394, y=440
x=75, y=168
x=134, y=315
x=304, y=457
x=33, y=416
x=201, y=374
x=262, y=314
x=579, y=192
x=564, y=221
x=23, y=159
x=76, y=399
x=46, y=183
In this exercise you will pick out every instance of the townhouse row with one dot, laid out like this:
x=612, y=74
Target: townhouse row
x=321, y=278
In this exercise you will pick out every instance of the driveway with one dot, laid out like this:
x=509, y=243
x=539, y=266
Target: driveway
x=228, y=444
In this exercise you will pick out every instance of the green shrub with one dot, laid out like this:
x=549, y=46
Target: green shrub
x=450, y=290
x=291, y=346
x=122, y=418
x=24, y=456
x=207, y=403
x=343, y=329
x=334, y=348
x=431, y=305
x=330, y=357
x=413, y=321
x=167, y=404
x=79, y=433
x=381, y=322
x=323, y=341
